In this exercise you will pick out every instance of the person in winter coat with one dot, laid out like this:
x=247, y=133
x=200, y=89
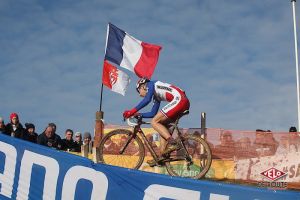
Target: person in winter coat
x=50, y=139
x=15, y=128
x=30, y=134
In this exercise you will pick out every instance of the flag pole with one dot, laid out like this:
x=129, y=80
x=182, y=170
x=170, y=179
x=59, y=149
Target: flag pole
x=296, y=58
x=101, y=93
x=99, y=124
x=107, y=32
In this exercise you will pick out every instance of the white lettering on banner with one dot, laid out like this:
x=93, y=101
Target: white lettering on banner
x=7, y=178
x=52, y=170
x=155, y=192
x=218, y=197
x=74, y=174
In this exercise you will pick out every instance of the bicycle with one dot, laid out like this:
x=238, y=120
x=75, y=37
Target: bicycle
x=124, y=148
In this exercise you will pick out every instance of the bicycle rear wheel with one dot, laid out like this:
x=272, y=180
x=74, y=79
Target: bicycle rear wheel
x=196, y=164
x=112, y=144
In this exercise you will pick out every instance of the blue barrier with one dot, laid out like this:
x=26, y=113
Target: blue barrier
x=30, y=171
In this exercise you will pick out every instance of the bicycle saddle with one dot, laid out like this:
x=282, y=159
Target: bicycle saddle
x=186, y=112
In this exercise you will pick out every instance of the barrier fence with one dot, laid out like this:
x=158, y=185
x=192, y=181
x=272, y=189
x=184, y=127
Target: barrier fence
x=31, y=171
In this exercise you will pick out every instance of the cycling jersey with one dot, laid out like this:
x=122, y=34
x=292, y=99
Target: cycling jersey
x=159, y=91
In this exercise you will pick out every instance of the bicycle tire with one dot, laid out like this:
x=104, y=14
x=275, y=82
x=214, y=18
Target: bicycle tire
x=200, y=165
x=111, y=145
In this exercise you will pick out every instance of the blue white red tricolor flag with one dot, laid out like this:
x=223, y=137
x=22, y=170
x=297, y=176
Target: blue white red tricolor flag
x=114, y=79
x=126, y=51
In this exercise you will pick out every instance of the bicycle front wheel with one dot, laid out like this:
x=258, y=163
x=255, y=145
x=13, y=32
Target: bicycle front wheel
x=194, y=165
x=120, y=149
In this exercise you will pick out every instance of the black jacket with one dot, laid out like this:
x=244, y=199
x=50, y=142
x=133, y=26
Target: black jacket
x=30, y=138
x=3, y=130
x=53, y=142
x=18, y=133
x=70, y=145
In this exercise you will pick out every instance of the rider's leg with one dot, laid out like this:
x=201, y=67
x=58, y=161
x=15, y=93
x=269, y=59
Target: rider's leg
x=158, y=122
x=163, y=144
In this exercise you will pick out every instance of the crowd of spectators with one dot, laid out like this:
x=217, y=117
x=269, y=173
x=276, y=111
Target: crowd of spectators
x=48, y=137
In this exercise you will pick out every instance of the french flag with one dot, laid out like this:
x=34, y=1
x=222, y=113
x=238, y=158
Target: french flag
x=114, y=79
x=126, y=51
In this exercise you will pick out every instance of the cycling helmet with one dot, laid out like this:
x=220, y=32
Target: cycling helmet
x=141, y=82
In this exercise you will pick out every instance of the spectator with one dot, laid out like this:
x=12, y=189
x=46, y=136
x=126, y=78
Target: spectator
x=87, y=140
x=53, y=126
x=294, y=139
x=15, y=128
x=30, y=134
x=292, y=129
x=2, y=126
x=49, y=138
x=68, y=144
x=78, y=138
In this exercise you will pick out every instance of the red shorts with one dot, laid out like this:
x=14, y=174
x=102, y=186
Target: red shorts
x=177, y=106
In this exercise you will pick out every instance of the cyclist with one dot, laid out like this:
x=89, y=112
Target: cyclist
x=177, y=104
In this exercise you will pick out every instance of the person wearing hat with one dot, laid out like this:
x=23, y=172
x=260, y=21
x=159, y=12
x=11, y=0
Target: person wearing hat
x=30, y=134
x=293, y=129
x=87, y=140
x=294, y=139
x=2, y=126
x=15, y=128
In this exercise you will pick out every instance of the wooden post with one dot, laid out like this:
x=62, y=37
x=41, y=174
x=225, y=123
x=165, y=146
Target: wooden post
x=99, y=126
x=85, y=150
x=203, y=125
x=96, y=155
x=203, y=133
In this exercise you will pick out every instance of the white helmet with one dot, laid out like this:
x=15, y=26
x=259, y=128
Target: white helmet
x=140, y=82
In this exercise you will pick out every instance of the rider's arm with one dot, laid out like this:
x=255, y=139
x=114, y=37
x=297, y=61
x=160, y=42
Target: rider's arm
x=153, y=111
x=147, y=99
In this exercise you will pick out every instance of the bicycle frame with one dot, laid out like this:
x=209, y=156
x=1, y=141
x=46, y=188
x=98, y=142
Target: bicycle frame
x=146, y=142
x=137, y=129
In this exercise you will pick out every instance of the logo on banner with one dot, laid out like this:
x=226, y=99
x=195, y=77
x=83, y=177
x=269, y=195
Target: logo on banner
x=273, y=174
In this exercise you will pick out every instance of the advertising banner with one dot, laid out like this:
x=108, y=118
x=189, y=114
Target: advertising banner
x=31, y=171
x=237, y=153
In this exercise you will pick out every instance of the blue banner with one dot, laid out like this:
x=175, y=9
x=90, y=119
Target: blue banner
x=31, y=171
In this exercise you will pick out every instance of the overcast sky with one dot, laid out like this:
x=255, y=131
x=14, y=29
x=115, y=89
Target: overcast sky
x=235, y=59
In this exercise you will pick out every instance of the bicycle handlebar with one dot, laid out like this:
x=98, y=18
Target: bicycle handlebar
x=133, y=121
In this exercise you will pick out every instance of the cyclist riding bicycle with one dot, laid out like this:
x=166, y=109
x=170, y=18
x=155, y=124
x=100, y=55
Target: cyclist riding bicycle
x=177, y=104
